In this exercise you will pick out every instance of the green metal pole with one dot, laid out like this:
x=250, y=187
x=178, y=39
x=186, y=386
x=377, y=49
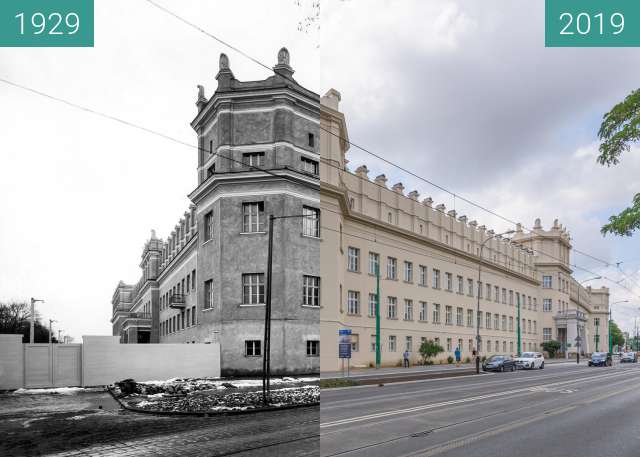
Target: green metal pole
x=597, y=338
x=610, y=340
x=378, y=355
x=519, y=334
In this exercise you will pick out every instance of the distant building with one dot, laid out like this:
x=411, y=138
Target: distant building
x=428, y=261
x=206, y=281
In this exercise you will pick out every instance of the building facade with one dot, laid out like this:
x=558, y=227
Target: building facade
x=428, y=260
x=258, y=156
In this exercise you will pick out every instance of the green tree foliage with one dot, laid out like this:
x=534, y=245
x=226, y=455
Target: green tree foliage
x=14, y=319
x=617, y=338
x=552, y=347
x=429, y=349
x=619, y=129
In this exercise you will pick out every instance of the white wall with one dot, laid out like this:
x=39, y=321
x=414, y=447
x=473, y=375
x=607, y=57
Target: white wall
x=105, y=361
x=11, y=362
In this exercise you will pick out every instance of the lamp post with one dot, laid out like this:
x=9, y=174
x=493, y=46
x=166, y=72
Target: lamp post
x=33, y=318
x=51, y=321
x=610, y=322
x=478, y=317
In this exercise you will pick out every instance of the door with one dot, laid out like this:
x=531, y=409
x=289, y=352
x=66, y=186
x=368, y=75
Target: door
x=67, y=365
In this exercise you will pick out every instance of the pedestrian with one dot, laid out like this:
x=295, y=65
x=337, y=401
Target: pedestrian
x=457, y=353
x=405, y=359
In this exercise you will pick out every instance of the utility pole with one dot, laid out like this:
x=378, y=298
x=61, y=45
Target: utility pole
x=50, y=322
x=378, y=352
x=577, y=339
x=33, y=318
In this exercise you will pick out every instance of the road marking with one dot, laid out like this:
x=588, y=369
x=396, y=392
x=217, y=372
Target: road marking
x=457, y=443
x=462, y=400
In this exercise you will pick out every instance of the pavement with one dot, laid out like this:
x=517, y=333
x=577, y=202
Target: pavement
x=564, y=410
x=92, y=423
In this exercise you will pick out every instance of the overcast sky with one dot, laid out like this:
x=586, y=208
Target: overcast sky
x=462, y=92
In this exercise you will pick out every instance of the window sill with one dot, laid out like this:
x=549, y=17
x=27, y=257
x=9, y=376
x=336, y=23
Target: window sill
x=392, y=318
x=407, y=282
x=355, y=271
x=255, y=305
x=311, y=236
x=310, y=306
x=252, y=233
x=206, y=310
x=354, y=314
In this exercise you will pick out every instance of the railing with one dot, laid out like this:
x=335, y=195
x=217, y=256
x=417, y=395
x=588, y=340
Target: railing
x=177, y=301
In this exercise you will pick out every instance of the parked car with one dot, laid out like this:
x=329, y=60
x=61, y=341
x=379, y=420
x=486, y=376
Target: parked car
x=629, y=357
x=600, y=359
x=499, y=363
x=530, y=360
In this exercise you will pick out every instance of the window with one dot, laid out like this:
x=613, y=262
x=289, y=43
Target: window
x=408, y=310
x=313, y=348
x=448, y=344
x=470, y=345
x=193, y=315
x=253, y=217
x=355, y=342
x=423, y=311
x=408, y=343
x=504, y=296
x=208, y=294
x=373, y=344
x=436, y=279
x=392, y=268
x=408, y=271
x=504, y=323
x=208, y=226
x=188, y=317
x=353, y=302
x=546, y=334
x=390, y=218
x=353, y=259
x=535, y=327
x=309, y=166
x=210, y=146
x=423, y=275
x=372, y=305
x=511, y=297
x=470, y=287
x=374, y=263
x=253, y=159
x=504, y=346
x=488, y=292
x=479, y=289
x=448, y=315
x=253, y=289
x=310, y=221
x=252, y=348
x=311, y=290
x=496, y=321
x=460, y=285
x=479, y=319
x=392, y=343
x=518, y=299
x=546, y=282
x=488, y=320
x=188, y=281
x=436, y=313
x=469, y=318
x=448, y=281
x=546, y=305
x=511, y=323
x=511, y=346
x=193, y=280
x=596, y=322
x=392, y=308
x=459, y=316
x=496, y=293
x=528, y=326
x=488, y=345
x=311, y=140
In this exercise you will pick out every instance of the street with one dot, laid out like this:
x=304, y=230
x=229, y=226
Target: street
x=92, y=423
x=564, y=410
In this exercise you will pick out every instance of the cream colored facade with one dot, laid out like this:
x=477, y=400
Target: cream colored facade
x=428, y=258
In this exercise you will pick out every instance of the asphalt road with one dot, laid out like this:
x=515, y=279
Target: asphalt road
x=561, y=411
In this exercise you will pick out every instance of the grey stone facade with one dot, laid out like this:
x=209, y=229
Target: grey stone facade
x=258, y=156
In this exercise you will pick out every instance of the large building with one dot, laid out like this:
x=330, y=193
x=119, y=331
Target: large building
x=428, y=260
x=258, y=156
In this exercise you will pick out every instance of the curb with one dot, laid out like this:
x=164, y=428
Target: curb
x=390, y=379
x=123, y=405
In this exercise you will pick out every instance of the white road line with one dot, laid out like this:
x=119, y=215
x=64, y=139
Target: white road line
x=463, y=400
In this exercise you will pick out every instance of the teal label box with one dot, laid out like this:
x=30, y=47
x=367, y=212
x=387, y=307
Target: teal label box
x=46, y=23
x=592, y=23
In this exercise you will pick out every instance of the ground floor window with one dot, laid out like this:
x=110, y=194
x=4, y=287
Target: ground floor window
x=252, y=348
x=313, y=348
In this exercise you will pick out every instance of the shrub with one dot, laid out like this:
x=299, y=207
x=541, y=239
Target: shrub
x=450, y=359
x=429, y=349
x=467, y=360
x=552, y=347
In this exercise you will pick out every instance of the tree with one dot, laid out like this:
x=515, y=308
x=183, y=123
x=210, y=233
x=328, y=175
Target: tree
x=552, y=347
x=428, y=349
x=15, y=319
x=617, y=338
x=621, y=127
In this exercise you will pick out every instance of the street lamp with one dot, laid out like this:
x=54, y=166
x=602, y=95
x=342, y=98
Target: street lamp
x=33, y=317
x=610, y=320
x=51, y=321
x=478, y=317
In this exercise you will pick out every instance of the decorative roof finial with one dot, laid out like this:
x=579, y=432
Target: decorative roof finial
x=223, y=62
x=283, y=68
x=283, y=56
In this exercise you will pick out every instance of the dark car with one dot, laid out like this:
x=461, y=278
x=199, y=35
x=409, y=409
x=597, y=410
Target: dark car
x=629, y=357
x=499, y=363
x=600, y=359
